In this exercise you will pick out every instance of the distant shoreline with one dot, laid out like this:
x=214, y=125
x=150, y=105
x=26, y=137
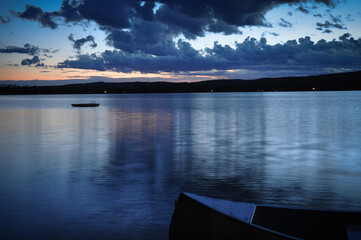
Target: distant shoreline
x=328, y=82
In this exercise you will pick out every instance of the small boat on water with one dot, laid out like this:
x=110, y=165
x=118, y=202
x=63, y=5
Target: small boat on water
x=198, y=217
x=92, y=104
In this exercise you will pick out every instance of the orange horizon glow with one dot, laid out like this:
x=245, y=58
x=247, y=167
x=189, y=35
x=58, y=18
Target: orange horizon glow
x=21, y=73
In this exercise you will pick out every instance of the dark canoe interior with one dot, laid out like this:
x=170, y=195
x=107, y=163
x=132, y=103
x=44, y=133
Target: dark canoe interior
x=308, y=224
x=194, y=220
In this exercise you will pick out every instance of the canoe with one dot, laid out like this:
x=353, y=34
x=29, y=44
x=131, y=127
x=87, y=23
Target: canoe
x=85, y=104
x=198, y=217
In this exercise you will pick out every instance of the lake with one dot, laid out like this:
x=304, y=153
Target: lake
x=114, y=172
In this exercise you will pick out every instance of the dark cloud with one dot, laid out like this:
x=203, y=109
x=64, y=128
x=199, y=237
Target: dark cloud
x=78, y=43
x=110, y=13
x=336, y=19
x=285, y=23
x=349, y=18
x=44, y=50
x=289, y=13
x=40, y=65
x=222, y=27
x=30, y=61
x=27, y=49
x=251, y=54
x=190, y=27
x=190, y=17
x=46, y=19
x=345, y=37
x=274, y=34
x=317, y=15
x=4, y=20
x=270, y=33
x=328, y=24
x=144, y=33
x=336, y=23
x=302, y=9
x=69, y=11
x=146, y=11
x=158, y=41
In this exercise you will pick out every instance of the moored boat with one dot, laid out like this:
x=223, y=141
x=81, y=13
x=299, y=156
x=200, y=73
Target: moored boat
x=85, y=104
x=198, y=217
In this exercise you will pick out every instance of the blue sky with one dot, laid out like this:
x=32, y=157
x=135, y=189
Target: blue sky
x=177, y=40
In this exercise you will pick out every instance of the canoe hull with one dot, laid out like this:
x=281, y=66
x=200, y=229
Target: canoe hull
x=195, y=217
x=194, y=220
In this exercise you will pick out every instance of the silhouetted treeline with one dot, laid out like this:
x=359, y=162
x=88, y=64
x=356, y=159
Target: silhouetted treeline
x=330, y=82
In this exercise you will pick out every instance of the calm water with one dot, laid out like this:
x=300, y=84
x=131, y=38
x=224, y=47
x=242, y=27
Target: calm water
x=115, y=171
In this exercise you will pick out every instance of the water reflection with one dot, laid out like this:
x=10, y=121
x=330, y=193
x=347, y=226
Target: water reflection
x=114, y=171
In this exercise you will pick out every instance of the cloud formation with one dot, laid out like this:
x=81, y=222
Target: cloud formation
x=191, y=18
x=46, y=19
x=302, y=9
x=285, y=23
x=251, y=54
x=4, y=20
x=78, y=43
x=27, y=49
x=327, y=24
x=143, y=35
x=151, y=26
x=30, y=61
x=336, y=23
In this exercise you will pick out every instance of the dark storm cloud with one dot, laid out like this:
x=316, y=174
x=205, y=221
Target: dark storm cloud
x=69, y=11
x=193, y=17
x=327, y=31
x=150, y=27
x=250, y=54
x=46, y=19
x=78, y=43
x=30, y=61
x=143, y=33
x=239, y=13
x=158, y=41
x=27, y=49
x=109, y=13
x=191, y=27
x=222, y=27
x=285, y=23
x=146, y=11
x=4, y=20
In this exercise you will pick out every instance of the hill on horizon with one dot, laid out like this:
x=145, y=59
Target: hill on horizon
x=326, y=82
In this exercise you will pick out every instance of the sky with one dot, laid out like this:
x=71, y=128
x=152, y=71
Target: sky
x=177, y=40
